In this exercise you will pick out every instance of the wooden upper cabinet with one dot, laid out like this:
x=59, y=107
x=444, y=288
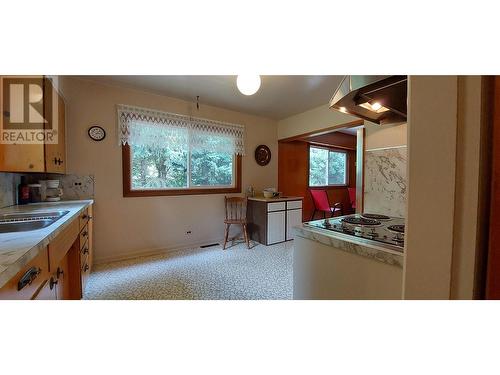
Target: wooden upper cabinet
x=43, y=156
x=55, y=153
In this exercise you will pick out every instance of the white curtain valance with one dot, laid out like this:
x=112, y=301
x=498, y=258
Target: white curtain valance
x=141, y=126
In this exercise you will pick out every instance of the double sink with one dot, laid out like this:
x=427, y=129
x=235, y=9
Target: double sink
x=22, y=222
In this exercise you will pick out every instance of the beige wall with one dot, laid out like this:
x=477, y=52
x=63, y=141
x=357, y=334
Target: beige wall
x=447, y=139
x=309, y=121
x=432, y=148
x=128, y=226
x=384, y=136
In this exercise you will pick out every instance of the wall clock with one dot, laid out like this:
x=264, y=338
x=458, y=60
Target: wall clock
x=262, y=155
x=97, y=133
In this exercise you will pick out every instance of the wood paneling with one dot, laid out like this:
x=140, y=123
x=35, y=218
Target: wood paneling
x=293, y=175
x=493, y=267
x=339, y=140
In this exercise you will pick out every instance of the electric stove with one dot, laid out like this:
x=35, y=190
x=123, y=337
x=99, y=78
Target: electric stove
x=370, y=226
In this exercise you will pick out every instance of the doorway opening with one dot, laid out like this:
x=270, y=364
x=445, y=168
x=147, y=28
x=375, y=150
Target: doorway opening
x=330, y=160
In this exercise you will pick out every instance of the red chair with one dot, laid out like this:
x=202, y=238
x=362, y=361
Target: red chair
x=352, y=197
x=321, y=203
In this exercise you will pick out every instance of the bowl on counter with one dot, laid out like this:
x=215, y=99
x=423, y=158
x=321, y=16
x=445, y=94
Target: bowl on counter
x=268, y=194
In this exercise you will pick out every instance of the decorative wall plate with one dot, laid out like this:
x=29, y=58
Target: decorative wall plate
x=97, y=133
x=262, y=155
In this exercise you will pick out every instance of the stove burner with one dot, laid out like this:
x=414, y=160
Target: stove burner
x=376, y=216
x=355, y=220
x=396, y=228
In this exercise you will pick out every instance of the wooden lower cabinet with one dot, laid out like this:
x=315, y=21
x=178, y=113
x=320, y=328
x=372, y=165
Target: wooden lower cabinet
x=48, y=291
x=60, y=270
x=62, y=275
x=27, y=282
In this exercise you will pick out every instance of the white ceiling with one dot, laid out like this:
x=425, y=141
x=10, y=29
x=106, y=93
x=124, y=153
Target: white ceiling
x=278, y=97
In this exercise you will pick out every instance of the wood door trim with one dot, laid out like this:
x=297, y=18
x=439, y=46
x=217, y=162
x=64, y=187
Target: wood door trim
x=329, y=129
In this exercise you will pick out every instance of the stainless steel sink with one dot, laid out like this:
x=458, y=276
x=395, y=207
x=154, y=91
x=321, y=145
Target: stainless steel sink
x=20, y=222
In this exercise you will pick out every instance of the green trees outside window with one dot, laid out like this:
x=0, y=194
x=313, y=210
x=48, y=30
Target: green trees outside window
x=327, y=167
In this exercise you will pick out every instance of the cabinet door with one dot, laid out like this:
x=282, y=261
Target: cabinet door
x=18, y=157
x=293, y=219
x=55, y=153
x=85, y=271
x=26, y=283
x=275, y=227
x=90, y=226
x=47, y=291
x=62, y=277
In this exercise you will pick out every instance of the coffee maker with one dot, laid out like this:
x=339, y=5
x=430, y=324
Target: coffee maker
x=51, y=192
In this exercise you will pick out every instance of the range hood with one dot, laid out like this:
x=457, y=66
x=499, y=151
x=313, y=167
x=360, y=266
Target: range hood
x=379, y=99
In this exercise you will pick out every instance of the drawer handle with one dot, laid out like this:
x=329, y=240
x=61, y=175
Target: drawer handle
x=53, y=283
x=28, y=277
x=86, y=268
x=59, y=272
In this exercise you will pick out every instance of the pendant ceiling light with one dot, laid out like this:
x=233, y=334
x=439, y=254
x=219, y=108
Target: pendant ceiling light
x=248, y=84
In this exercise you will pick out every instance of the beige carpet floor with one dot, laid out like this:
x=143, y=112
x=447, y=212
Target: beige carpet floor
x=262, y=272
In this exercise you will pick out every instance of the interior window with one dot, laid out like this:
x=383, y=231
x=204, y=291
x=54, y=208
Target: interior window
x=327, y=167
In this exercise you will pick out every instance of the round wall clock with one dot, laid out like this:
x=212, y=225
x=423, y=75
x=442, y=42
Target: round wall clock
x=262, y=155
x=97, y=133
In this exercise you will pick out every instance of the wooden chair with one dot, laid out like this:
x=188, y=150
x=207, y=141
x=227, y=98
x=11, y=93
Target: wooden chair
x=236, y=213
x=322, y=204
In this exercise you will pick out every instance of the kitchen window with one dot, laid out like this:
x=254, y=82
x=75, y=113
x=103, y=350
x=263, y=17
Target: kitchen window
x=170, y=154
x=327, y=167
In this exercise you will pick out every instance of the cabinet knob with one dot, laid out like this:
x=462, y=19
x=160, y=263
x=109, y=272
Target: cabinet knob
x=85, y=233
x=86, y=268
x=86, y=250
x=31, y=166
x=53, y=283
x=59, y=272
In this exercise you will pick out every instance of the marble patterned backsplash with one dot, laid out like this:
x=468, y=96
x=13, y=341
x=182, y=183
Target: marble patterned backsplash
x=8, y=188
x=74, y=187
x=385, y=181
x=77, y=187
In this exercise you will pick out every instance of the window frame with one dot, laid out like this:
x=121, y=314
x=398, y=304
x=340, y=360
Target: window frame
x=334, y=149
x=129, y=192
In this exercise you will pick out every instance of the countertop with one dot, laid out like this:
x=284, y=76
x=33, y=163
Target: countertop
x=261, y=198
x=18, y=248
x=352, y=244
